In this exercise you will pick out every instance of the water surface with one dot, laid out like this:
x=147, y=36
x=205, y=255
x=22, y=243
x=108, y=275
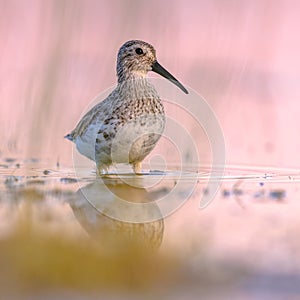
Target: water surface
x=243, y=244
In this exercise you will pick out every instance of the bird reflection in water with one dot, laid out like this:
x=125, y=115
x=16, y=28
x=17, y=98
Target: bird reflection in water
x=111, y=212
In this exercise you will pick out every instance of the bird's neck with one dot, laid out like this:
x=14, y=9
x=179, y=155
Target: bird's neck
x=137, y=87
x=124, y=75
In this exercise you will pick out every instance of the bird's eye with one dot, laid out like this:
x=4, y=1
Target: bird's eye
x=139, y=51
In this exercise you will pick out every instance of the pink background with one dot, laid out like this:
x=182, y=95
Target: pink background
x=242, y=56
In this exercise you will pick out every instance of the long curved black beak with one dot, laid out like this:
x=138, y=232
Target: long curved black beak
x=157, y=68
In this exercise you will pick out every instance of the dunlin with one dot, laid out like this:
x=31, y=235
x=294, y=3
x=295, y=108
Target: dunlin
x=125, y=127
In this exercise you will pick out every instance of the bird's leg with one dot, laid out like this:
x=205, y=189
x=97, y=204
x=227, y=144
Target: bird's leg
x=101, y=170
x=137, y=167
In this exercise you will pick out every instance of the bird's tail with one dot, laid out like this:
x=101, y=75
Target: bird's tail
x=69, y=136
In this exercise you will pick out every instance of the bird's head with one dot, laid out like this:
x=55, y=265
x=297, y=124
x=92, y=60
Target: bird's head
x=136, y=58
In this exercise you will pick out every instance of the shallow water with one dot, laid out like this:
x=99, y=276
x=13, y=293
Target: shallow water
x=243, y=244
x=56, y=240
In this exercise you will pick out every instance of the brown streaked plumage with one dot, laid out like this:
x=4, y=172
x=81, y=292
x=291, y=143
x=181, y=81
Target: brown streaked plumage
x=125, y=127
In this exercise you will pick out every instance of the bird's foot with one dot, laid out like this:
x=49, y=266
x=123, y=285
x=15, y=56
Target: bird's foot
x=137, y=168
